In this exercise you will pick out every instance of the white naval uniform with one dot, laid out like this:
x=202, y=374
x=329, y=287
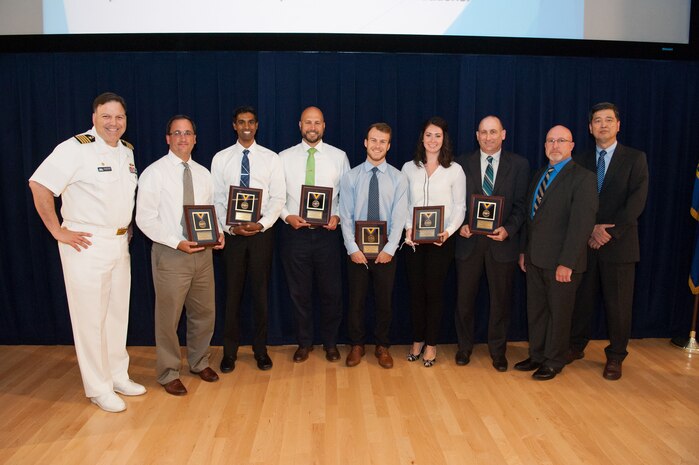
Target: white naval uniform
x=97, y=184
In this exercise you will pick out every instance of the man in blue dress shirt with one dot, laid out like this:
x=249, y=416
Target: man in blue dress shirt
x=373, y=191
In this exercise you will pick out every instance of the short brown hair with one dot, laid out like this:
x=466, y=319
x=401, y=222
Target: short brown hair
x=108, y=97
x=381, y=127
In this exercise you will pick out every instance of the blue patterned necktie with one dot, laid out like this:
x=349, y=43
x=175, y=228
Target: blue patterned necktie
x=600, y=169
x=245, y=170
x=542, y=189
x=488, y=179
x=373, y=213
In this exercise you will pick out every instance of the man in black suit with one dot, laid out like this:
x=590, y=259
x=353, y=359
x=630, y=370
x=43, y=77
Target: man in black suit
x=562, y=204
x=490, y=171
x=613, y=250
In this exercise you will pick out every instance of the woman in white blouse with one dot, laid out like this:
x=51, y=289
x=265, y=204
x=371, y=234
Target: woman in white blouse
x=434, y=180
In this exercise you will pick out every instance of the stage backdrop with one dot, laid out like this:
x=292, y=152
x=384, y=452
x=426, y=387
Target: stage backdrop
x=46, y=98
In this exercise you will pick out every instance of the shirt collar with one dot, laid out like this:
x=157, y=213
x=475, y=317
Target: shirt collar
x=174, y=159
x=368, y=166
x=610, y=150
x=559, y=166
x=496, y=156
x=318, y=147
x=239, y=148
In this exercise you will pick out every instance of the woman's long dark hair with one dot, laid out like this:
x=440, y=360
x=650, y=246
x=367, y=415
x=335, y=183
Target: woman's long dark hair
x=446, y=153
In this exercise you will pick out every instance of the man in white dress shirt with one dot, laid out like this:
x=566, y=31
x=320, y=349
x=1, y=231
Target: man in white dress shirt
x=95, y=175
x=250, y=244
x=311, y=255
x=183, y=271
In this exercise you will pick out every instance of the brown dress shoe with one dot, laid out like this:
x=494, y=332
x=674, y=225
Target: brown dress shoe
x=175, y=387
x=385, y=359
x=331, y=354
x=355, y=355
x=612, y=370
x=301, y=354
x=207, y=374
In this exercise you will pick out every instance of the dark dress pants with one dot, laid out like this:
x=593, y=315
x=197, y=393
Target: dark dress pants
x=312, y=262
x=382, y=277
x=500, y=276
x=247, y=257
x=427, y=269
x=549, y=312
x=616, y=281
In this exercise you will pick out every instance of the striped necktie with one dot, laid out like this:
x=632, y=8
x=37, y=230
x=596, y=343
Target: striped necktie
x=245, y=170
x=542, y=189
x=488, y=179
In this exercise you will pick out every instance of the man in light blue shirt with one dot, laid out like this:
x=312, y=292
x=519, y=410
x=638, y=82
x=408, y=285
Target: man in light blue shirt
x=376, y=192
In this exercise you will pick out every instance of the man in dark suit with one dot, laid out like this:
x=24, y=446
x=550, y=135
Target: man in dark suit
x=490, y=171
x=613, y=250
x=562, y=204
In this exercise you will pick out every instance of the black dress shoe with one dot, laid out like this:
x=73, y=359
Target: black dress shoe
x=462, y=358
x=227, y=364
x=527, y=365
x=331, y=354
x=544, y=373
x=301, y=354
x=263, y=361
x=500, y=364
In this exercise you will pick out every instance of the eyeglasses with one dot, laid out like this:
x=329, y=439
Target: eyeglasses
x=560, y=141
x=181, y=134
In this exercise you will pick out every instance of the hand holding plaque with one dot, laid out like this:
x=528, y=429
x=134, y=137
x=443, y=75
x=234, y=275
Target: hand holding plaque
x=201, y=225
x=485, y=213
x=428, y=223
x=315, y=205
x=243, y=205
x=370, y=237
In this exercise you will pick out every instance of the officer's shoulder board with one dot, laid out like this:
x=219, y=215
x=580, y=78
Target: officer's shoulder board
x=84, y=138
x=127, y=144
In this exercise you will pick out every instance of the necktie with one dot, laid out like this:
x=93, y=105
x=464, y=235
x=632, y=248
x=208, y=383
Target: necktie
x=311, y=167
x=488, y=179
x=373, y=213
x=245, y=170
x=187, y=192
x=542, y=188
x=600, y=169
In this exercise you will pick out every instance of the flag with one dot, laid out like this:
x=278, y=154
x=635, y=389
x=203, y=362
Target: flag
x=694, y=211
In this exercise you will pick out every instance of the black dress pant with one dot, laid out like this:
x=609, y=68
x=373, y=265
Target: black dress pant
x=382, y=277
x=247, y=257
x=312, y=262
x=616, y=280
x=427, y=269
x=549, y=311
x=500, y=277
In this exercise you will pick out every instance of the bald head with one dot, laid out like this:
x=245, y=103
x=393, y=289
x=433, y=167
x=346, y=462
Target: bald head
x=312, y=125
x=559, y=144
x=490, y=135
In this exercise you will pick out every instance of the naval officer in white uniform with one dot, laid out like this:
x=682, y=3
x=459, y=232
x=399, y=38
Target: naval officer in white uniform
x=95, y=175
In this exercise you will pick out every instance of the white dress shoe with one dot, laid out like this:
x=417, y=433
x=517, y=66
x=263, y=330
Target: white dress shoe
x=129, y=388
x=109, y=402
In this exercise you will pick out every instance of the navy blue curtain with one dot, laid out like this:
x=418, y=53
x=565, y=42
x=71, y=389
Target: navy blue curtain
x=46, y=98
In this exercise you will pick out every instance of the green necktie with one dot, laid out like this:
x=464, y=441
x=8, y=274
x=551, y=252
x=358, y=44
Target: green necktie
x=311, y=167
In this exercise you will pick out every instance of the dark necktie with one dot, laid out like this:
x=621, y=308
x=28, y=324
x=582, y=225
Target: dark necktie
x=600, y=169
x=373, y=212
x=245, y=170
x=542, y=189
x=488, y=179
x=187, y=192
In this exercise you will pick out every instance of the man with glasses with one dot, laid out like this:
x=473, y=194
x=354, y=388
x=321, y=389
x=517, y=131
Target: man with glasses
x=561, y=206
x=250, y=244
x=613, y=249
x=183, y=271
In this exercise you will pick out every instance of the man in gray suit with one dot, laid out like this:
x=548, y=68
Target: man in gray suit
x=562, y=204
x=490, y=171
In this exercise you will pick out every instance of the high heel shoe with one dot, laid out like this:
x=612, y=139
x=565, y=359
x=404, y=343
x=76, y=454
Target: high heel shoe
x=411, y=357
x=429, y=362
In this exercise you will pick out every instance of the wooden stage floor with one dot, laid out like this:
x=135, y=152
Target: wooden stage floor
x=325, y=413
